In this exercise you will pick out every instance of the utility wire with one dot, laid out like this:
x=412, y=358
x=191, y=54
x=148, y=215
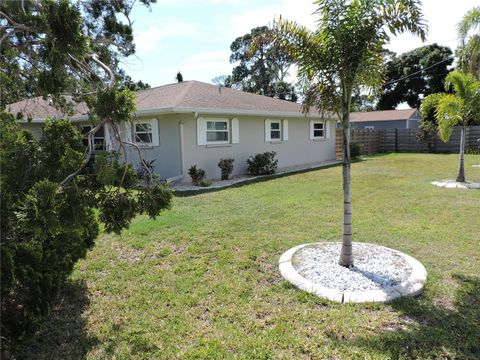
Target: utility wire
x=386, y=84
x=416, y=72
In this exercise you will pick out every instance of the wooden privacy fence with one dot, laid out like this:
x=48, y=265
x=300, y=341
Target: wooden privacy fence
x=373, y=141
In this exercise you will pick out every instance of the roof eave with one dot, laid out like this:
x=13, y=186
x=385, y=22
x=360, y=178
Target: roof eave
x=208, y=111
x=41, y=120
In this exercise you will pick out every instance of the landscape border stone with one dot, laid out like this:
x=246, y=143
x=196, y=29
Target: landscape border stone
x=182, y=189
x=411, y=287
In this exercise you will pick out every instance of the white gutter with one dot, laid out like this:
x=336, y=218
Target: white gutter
x=174, y=110
x=74, y=118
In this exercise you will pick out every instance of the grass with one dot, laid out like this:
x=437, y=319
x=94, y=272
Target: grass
x=202, y=280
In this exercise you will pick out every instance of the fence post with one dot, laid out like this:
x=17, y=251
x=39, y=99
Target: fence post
x=396, y=140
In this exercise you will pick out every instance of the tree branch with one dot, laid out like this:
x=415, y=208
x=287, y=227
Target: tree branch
x=90, y=136
x=106, y=68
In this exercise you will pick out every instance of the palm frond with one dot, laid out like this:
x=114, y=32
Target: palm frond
x=449, y=112
x=469, y=22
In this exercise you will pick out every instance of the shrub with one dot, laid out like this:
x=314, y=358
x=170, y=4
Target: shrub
x=46, y=225
x=262, y=164
x=144, y=172
x=426, y=134
x=355, y=150
x=473, y=150
x=197, y=175
x=226, y=166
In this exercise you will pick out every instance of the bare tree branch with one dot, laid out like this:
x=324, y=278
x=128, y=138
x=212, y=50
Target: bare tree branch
x=106, y=68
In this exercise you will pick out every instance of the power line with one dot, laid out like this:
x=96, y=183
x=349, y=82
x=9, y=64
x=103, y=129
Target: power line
x=386, y=84
x=415, y=73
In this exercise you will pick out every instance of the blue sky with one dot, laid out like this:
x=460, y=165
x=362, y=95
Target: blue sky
x=194, y=36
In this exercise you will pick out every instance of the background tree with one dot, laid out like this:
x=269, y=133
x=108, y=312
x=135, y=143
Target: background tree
x=414, y=75
x=126, y=82
x=460, y=108
x=223, y=80
x=261, y=71
x=469, y=50
x=345, y=51
x=49, y=219
x=57, y=47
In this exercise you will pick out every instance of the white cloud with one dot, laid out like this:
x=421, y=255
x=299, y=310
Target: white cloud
x=441, y=21
x=207, y=65
x=148, y=41
x=299, y=11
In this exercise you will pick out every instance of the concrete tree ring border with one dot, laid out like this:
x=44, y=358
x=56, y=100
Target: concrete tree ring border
x=411, y=287
x=452, y=184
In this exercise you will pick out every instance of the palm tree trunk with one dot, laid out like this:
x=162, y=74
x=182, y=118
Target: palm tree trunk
x=346, y=255
x=461, y=162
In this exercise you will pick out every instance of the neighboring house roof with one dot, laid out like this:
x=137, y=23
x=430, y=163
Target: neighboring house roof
x=384, y=115
x=187, y=96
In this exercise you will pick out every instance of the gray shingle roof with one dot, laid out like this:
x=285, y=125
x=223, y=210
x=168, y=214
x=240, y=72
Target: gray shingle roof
x=382, y=115
x=184, y=95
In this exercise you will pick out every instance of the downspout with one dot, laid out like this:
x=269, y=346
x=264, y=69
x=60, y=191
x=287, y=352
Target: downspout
x=182, y=152
x=182, y=147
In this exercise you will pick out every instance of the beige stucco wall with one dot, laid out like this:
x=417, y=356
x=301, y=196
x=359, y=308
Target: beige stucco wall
x=297, y=150
x=167, y=155
x=173, y=159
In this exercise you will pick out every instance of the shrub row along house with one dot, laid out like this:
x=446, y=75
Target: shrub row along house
x=194, y=123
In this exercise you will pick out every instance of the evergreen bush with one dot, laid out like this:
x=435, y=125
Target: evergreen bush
x=262, y=164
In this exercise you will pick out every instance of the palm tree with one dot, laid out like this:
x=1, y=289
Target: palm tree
x=460, y=108
x=469, y=49
x=345, y=51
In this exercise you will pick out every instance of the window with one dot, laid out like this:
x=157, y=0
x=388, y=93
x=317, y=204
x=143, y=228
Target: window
x=143, y=133
x=275, y=130
x=317, y=130
x=370, y=127
x=217, y=131
x=98, y=137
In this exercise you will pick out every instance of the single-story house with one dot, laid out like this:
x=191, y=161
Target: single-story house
x=195, y=123
x=386, y=119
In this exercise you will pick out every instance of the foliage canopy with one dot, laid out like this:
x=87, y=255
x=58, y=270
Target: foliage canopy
x=53, y=203
x=414, y=75
x=262, y=70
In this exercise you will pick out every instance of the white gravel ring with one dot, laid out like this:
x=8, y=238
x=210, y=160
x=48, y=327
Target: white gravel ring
x=452, y=184
x=381, y=274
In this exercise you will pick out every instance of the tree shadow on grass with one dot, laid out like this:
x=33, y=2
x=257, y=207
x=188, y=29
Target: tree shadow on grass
x=63, y=334
x=434, y=331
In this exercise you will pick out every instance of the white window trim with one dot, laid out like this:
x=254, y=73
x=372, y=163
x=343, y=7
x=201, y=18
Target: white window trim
x=154, y=131
x=279, y=122
x=283, y=130
x=312, y=130
x=227, y=131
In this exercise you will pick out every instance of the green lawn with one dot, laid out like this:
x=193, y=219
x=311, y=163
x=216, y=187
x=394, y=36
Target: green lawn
x=202, y=280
